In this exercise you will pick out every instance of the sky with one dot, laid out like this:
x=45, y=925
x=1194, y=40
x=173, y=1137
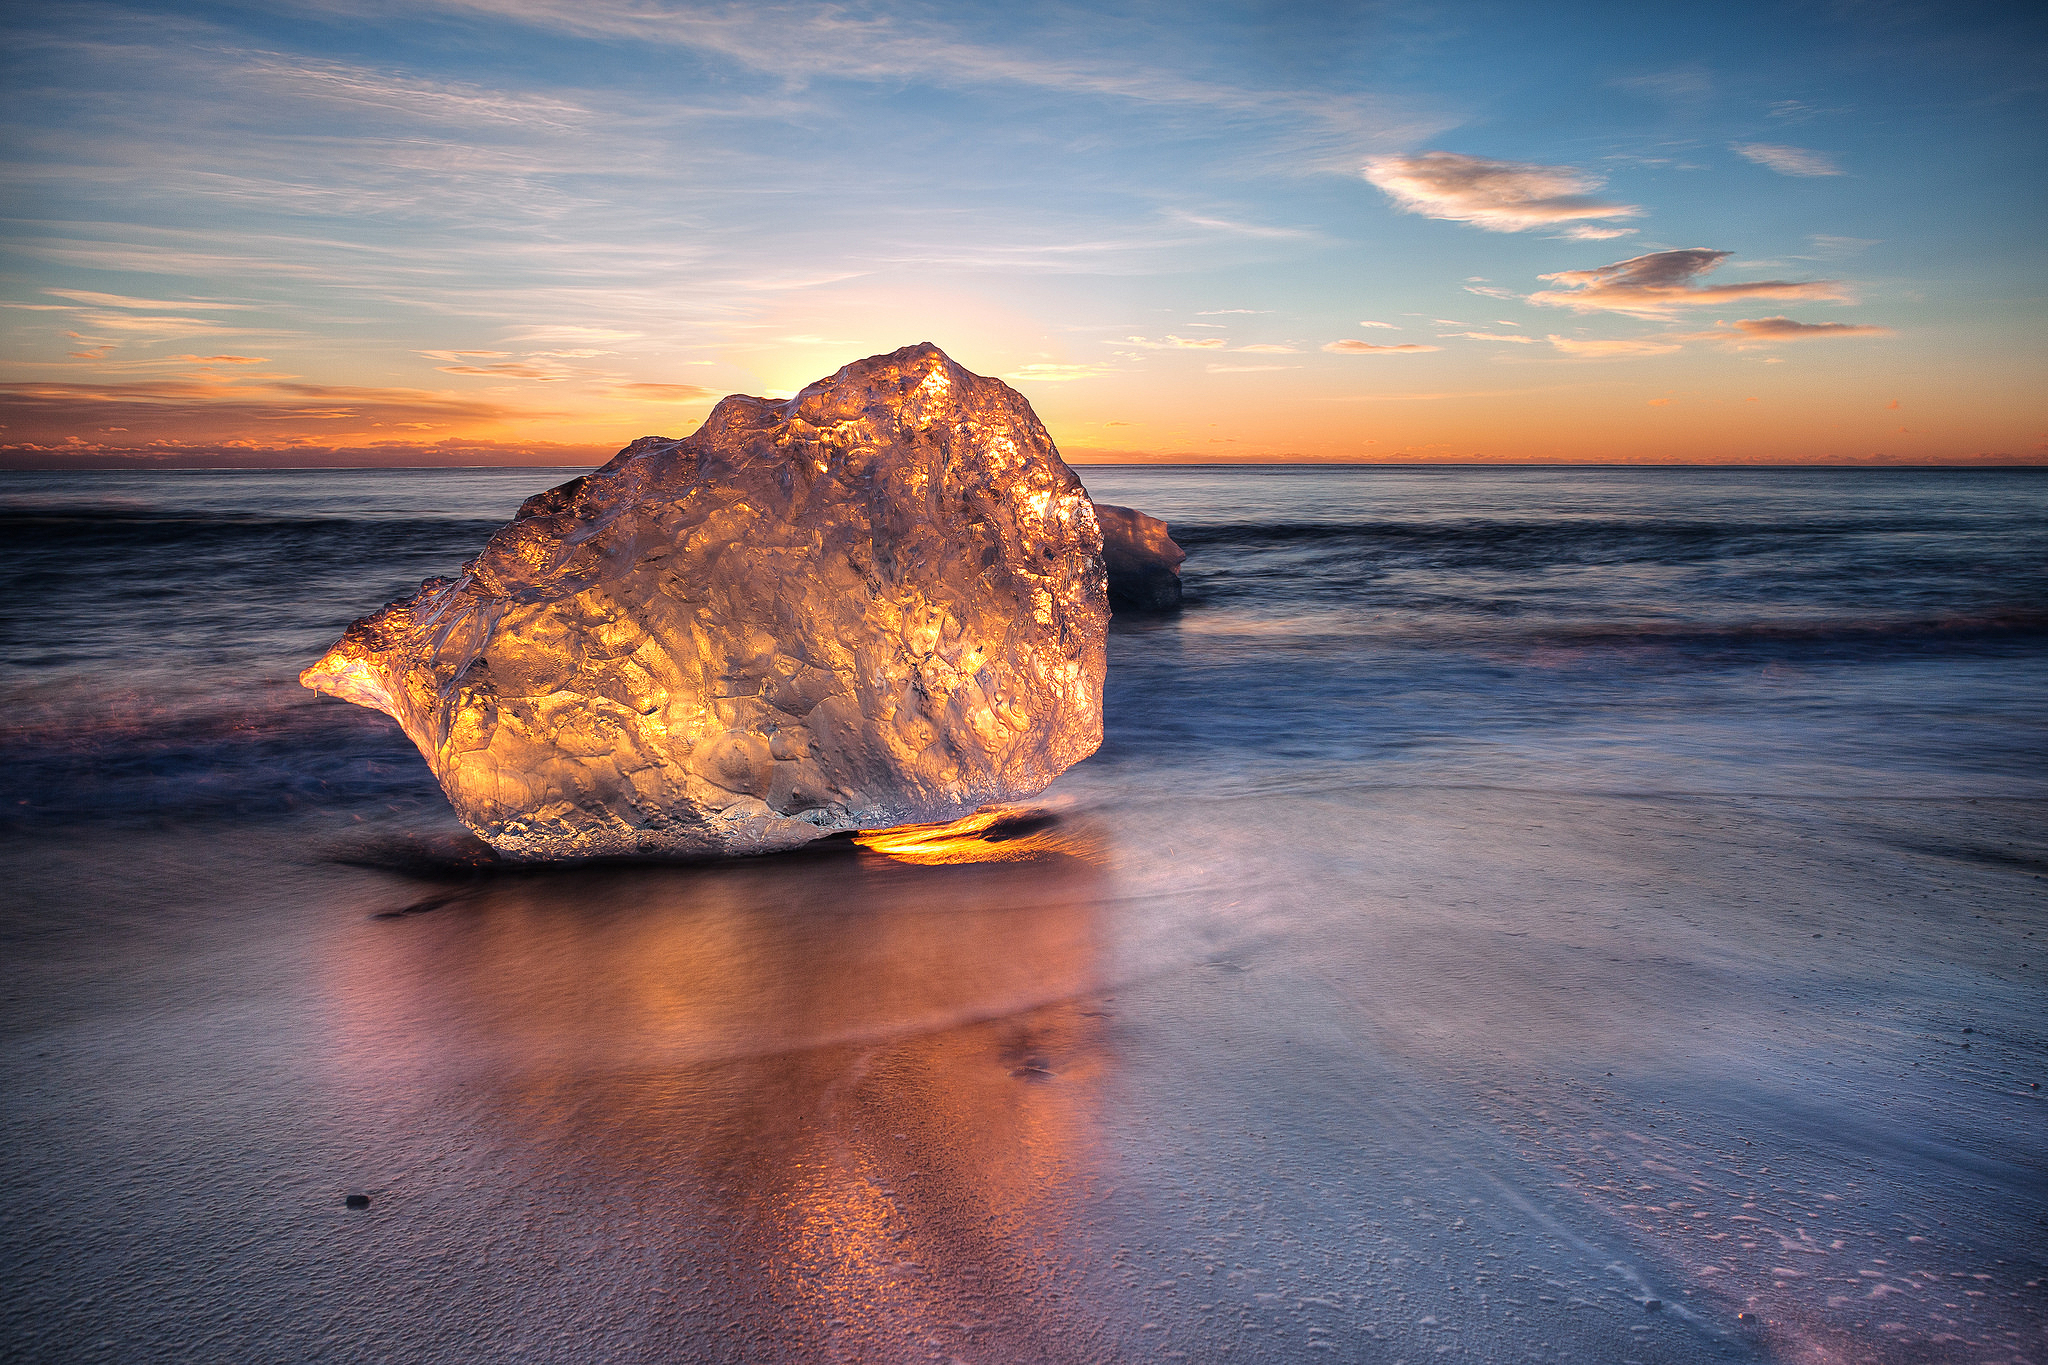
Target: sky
x=459, y=232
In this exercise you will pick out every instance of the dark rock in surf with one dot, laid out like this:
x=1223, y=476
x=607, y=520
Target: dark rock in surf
x=1142, y=560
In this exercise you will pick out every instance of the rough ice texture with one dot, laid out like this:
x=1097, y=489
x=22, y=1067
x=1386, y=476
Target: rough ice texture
x=879, y=602
x=1143, y=561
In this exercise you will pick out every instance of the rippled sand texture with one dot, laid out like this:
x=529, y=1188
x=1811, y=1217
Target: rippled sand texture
x=1539, y=992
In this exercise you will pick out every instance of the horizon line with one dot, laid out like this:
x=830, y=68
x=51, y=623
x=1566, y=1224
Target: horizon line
x=1086, y=464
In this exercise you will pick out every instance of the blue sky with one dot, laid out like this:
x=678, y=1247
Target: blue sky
x=445, y=231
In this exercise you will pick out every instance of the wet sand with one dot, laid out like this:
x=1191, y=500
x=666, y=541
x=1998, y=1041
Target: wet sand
x=1339, y=1073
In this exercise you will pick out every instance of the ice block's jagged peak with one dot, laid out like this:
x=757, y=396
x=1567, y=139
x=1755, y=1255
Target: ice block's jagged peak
x=878, y=602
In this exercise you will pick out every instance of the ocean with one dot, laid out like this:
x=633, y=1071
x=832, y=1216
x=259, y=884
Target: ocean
x=1518, y=914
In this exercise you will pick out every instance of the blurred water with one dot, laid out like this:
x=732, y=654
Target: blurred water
x=1820, y=631
x=1504, y=898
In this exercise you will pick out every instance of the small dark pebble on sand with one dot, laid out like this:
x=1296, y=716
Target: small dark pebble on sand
x=357, y=1201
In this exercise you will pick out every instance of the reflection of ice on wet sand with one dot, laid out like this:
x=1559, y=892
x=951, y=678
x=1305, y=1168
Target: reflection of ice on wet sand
x=631, y=966
x=846, y=1100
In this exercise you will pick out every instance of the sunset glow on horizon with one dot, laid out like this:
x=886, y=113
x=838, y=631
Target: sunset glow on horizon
x=529, y=231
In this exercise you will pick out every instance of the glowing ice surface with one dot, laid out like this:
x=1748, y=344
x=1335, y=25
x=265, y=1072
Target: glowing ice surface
x=879, y=602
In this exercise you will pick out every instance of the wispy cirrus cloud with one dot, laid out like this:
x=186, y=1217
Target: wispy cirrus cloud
x=1653, y=285
x=1743, y=334
x=1787, y=160
x=1592, y=348
x=158, y=325
x=1797, y=111
x=1492, y=336
x=571, y=332
x=1748, y=333
x=1684, y=84
x=87, y=296
x=408, y=97
x=121, y=313
x=536, y=207
x=1047, y=372
x=801, y=43
x=217, y=408
x=802, y=49
x=511, y=369
x=1500, y=196
x=237, y=453
x=664, y=393
x=1353, y=346
x=1215, y=224
x=1180, y=343
x=544, y=366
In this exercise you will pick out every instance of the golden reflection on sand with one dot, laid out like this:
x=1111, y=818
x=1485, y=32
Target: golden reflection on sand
x=954, y=1176
x=852, y=1100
